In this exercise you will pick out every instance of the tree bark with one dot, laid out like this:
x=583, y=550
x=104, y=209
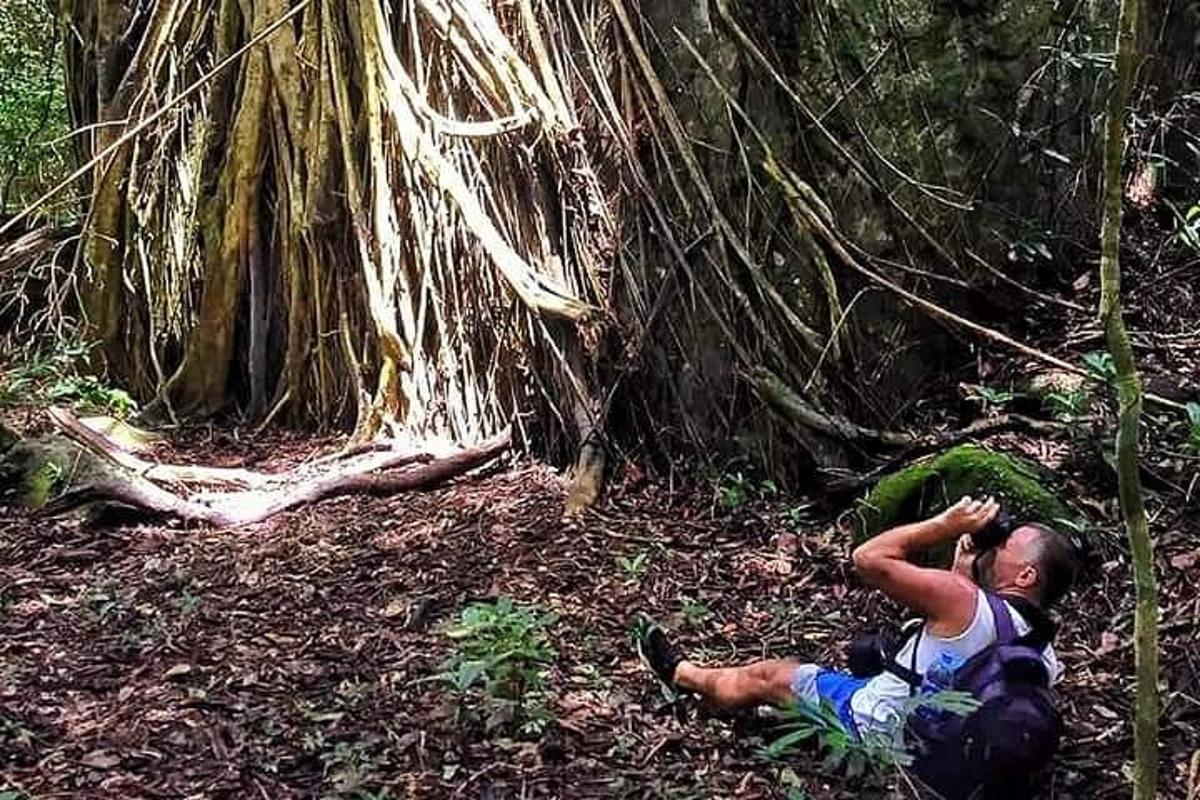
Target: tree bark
x=1129, y=391
x=199, y=385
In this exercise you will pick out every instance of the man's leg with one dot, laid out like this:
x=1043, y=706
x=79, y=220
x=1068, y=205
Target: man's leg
x=729, y=688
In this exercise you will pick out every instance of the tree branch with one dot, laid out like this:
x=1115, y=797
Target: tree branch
x=235, y=509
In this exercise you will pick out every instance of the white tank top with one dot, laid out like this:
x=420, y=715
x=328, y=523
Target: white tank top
x=877, y=705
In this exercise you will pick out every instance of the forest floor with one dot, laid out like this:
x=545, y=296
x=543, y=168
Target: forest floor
x=304, y=657
x=298, y=658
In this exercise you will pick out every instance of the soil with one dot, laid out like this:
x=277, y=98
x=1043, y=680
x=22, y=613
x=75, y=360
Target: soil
x=301, y=657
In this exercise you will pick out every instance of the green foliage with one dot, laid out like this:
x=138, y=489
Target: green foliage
x=809, y=725
x=1068, y=404
x=187, y=603
x=1193, y=435
x=735, y=488
x=1100, y=365
x=695, y=611
x=929, y=486
x=635, y=567
x=349, y=767
x=798, y=516
x=89, y=392
x=1071, y=402
x=33, y=106
x=1189, y=226
x=41, y=483
x=991, y=398
x=791, y=784
x=54, y=377
x=499, y=664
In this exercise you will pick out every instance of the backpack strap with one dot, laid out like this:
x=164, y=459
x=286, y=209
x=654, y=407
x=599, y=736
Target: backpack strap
x=1005, y=633
x=1006, y=630
x=1042, y=628
x=908, y=674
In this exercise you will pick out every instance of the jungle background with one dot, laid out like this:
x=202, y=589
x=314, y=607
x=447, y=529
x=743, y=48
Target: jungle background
x=662, y=289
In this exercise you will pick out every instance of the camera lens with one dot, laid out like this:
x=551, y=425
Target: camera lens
x=994, y=533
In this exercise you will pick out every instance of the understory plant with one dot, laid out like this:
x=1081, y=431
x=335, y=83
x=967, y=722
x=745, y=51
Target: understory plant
x=634, y=566
x=53, y=375
x=1189, y=225
x=1193, y=433
x=734, y=489
x=499, y=665
x=990, y=397
x=809, y=728
x=1068, y=404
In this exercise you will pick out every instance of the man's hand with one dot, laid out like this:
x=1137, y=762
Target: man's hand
x=968, y=515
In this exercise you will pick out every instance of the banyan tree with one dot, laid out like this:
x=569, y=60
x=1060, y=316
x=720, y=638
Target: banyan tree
x=606, y=222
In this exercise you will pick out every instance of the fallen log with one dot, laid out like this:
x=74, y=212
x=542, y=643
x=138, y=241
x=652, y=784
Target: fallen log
x=369, y=457
x=98, y=443
x=234, y=509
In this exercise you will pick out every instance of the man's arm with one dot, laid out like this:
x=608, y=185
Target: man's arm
x=945, y=598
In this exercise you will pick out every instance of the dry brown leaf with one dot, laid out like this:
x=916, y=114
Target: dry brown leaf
x=1185, y=560
x=177, y=671
x=101, y=759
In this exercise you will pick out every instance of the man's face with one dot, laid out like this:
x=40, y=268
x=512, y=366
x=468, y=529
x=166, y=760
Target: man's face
x=1011, y=565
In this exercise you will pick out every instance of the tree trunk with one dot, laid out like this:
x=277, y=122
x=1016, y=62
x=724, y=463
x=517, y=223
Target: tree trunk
x=424, y=216
x=1129, y=389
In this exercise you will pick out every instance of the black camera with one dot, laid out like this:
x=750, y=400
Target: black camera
x=994, y=533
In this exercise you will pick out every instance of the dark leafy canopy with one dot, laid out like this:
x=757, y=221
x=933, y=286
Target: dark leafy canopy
x=33, y=109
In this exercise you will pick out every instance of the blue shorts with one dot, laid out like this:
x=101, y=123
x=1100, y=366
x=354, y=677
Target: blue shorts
x=815, y=685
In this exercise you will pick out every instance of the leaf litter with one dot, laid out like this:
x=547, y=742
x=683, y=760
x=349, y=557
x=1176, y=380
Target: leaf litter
x=299, y=658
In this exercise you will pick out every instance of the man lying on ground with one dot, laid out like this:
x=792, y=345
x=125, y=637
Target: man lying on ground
x=1004, y=588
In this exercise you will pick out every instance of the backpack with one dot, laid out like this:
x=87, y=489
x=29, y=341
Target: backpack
x=1000, y=749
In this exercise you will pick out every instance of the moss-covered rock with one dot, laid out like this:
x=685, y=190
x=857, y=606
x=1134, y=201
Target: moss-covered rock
x=7, y=439
x=929, y=486
x=33, y=471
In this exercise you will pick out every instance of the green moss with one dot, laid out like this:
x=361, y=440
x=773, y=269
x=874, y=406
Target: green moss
x=41, y=483
x=32, y=471
x=929, y=486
